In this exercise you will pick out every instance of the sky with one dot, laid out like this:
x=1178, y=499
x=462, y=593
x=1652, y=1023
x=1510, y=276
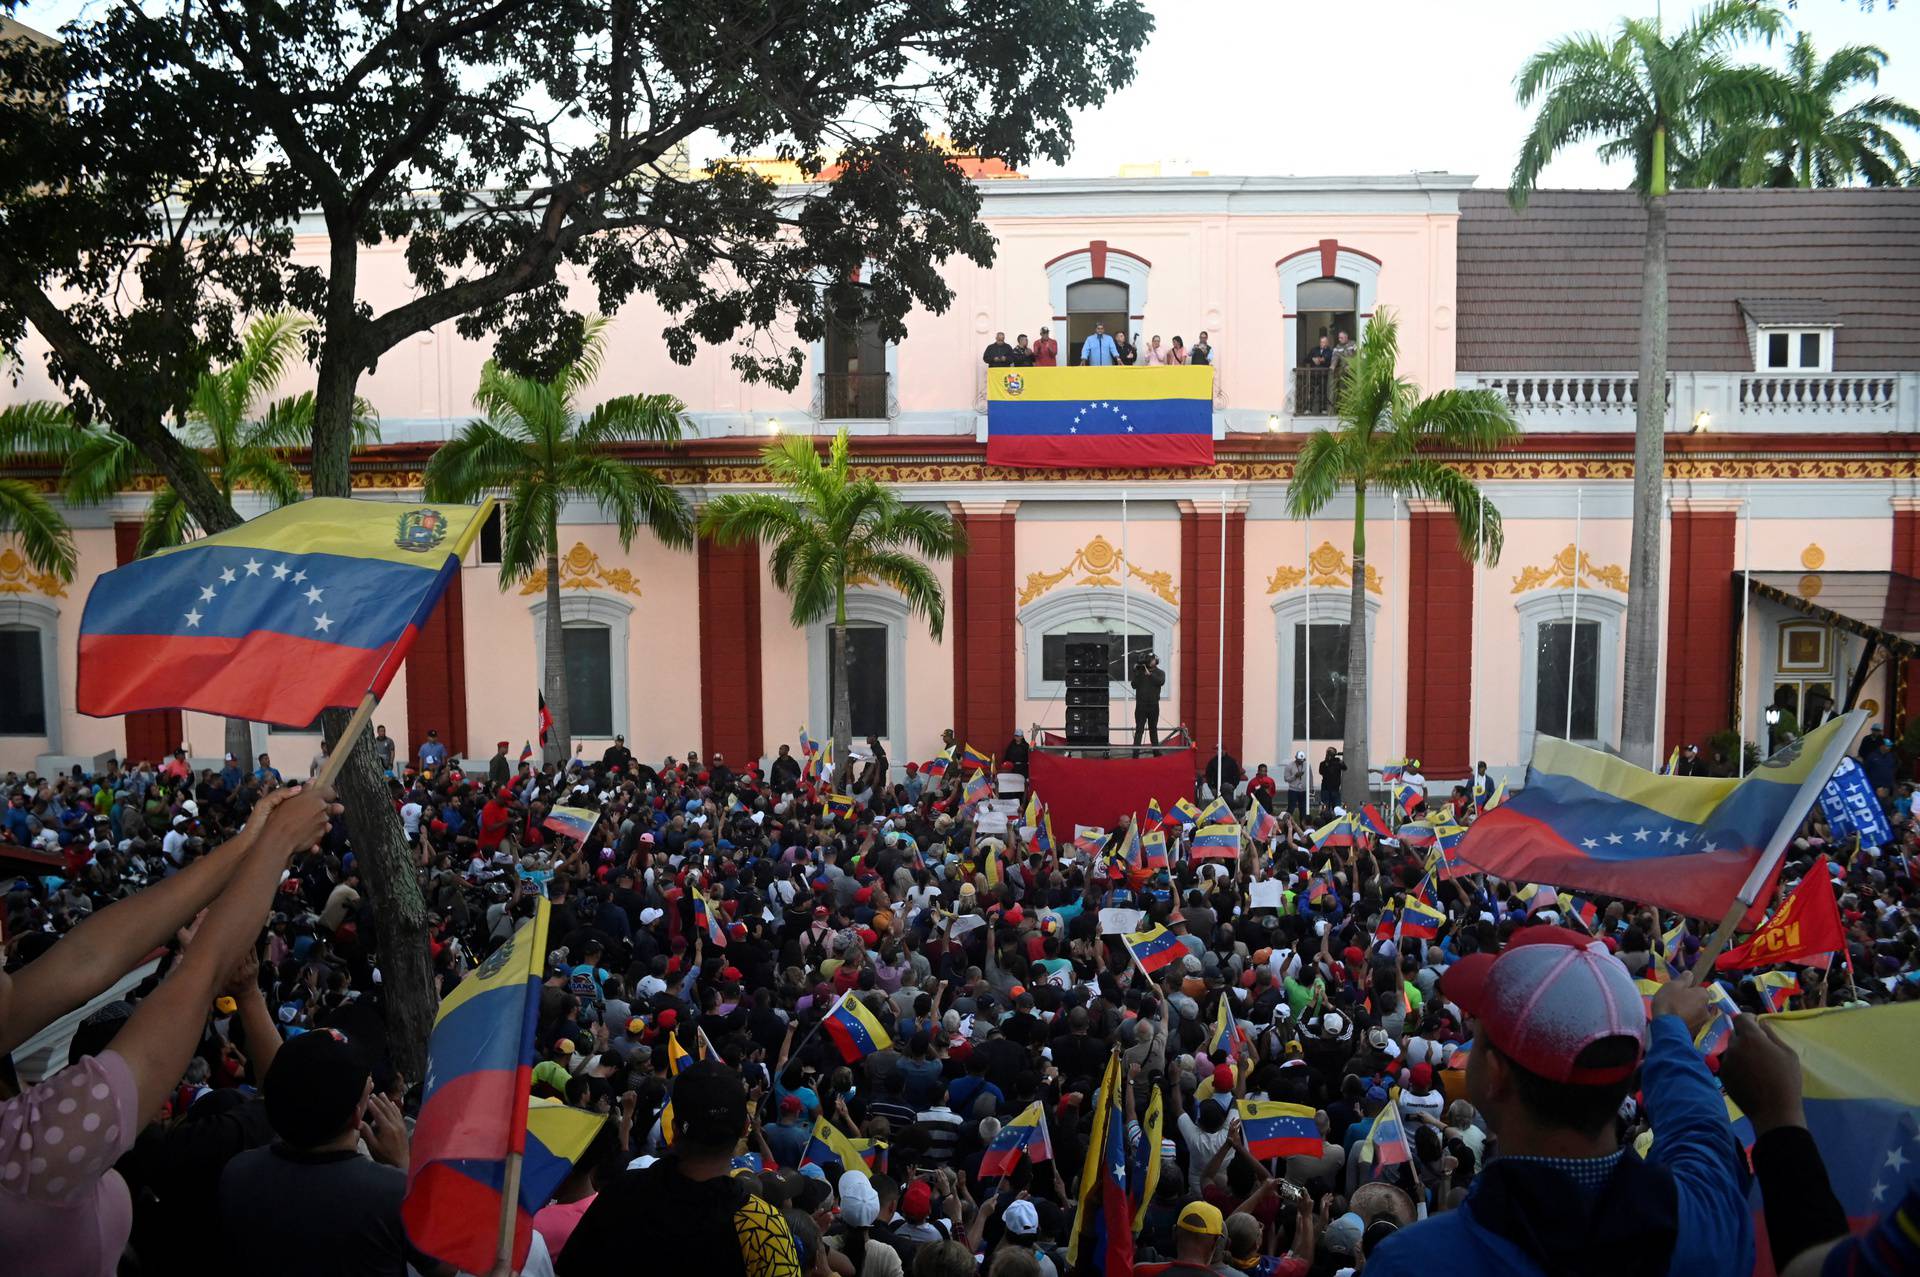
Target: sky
x=1343, y=87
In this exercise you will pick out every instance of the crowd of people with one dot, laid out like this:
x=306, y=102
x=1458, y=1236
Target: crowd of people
x=238, y=1105
x=1100, y=349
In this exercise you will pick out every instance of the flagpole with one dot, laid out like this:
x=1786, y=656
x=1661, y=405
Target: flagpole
x=1220, y=666
x=1573, y=626
x=343, y=745
x=1306, y=698
x=509, y=1213
x=1740, y=673
x=1126, y=613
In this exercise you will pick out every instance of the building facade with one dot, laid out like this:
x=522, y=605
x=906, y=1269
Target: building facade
x=1794, y=443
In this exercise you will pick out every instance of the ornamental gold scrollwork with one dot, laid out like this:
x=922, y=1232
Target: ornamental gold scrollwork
x=1327, y=567
x=18, y=577
x=1103, y=564
x=580, y=569
x=1557, y=574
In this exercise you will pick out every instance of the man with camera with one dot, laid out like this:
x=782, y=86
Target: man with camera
x=1148, y=679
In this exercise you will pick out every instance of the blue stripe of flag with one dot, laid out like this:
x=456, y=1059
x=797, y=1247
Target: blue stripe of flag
x=1101, y=417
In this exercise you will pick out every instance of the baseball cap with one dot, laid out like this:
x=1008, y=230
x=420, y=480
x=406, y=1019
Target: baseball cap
x=1023, y=1220
x=710, y=1104
x=1550, y=995
x=314, y=1088
x=859, y=1204
x=1200, y=1217
x=790, y=1104
x=917, y=1202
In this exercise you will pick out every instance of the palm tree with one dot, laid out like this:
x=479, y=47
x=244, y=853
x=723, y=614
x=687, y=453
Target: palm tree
x=1803, y=140
x=45, y=429
x=1379, y=444
x=829, y=529
x=1649, y=98
x=240, y=435
x=537, y=445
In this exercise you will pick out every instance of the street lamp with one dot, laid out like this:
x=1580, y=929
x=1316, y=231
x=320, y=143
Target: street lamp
x=1773, y=716
x=1273, y=423
x=1702, y=421
x=773, y=425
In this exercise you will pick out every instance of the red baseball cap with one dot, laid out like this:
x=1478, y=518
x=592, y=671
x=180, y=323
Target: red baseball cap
x=917, y=1202
x=1550, y=995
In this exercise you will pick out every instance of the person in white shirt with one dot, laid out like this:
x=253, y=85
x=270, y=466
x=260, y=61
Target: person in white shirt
x=175, y=843
x=410, y=817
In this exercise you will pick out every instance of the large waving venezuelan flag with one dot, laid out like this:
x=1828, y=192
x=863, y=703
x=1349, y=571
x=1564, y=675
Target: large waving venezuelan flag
x=1107, y=418
x=308, y=607
x=1598, y=823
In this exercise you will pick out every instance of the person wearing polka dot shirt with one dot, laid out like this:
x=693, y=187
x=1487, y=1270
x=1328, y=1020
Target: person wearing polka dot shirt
x=64, y=1212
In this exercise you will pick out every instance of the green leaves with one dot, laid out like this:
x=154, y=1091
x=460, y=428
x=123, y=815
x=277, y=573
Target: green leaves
x=43, y=536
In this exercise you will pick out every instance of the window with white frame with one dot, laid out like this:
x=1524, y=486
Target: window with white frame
x=1569, y=644
x=1132, y=629
x=594, y=633
x=23, y=700
x=1794, y=350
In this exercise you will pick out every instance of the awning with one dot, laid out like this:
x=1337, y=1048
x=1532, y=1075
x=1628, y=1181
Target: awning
x=1881, y=607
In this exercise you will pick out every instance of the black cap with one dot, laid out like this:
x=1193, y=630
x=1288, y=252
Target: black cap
x=314, y=1088
x=710, y=1105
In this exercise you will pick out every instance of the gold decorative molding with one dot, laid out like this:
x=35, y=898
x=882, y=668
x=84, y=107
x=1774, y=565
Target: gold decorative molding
x=1558, y=574
x=580, y=569
x=1813, y=558
x=1811, y=585
x=1104, y=564
x=1327, y=567
x=16, y=577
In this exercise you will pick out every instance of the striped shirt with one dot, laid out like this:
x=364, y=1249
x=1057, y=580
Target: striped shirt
x=942, y=1126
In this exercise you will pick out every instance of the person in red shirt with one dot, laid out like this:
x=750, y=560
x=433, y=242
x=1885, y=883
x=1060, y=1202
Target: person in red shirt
x=494, y=817
x=1262, y=786
x=1046, y=351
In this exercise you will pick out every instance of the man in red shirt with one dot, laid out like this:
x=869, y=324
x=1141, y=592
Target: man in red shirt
x=1046, y=351
x=494, y=817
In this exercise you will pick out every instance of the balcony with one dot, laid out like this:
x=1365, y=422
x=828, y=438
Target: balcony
x=852, y=396
x=1314, y=392
x=1786, y=403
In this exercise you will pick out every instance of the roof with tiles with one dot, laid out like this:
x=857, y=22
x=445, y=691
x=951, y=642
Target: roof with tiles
x=1557, y=287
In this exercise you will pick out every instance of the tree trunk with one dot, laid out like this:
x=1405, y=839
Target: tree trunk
x=1353, y=785
x=407, y=992
x=842, y=698
x=1641, y=682
x=554, y=675
x=239, y=733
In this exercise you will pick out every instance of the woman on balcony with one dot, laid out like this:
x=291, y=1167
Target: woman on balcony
x=1153, y=354
x=1177, y=354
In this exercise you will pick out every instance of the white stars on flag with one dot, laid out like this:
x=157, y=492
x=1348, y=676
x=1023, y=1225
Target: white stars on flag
x=1614, y=840
x=313, y=593
x=274, y=617
x=1640, y=835
x=226, y=576
x=323, y=622
x=253, y=567
x=206, y=594
x=279, y=571
x=1096, y=407
x=193, y=619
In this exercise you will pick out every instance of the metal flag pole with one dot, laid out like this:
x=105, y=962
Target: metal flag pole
x=1573, y=627
x=1746, y=586
x=1397, y=741
x=1473, y=643
x=1220, y=665
x=1126, y=613
x=1306, y=698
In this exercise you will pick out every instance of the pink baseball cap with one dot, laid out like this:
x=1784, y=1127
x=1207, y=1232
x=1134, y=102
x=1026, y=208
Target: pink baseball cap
x=1550, y=995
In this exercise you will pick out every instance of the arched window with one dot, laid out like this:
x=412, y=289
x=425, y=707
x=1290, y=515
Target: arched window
x=29, y=671
x=1091, y=304
x=1312, y=633
x=855, y=373
x=1324, y=290
x=1328, y=309
x=1561, y=636
x=1094, y=614
x=594, y=629
x=877, y=694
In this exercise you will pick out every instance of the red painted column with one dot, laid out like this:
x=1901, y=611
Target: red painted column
x=437, y=679
x=1201, y=664
x=730, y=691
x=155, y=733
x=1906, y=561
x=1701, y=607
x=981, y=628
x=1439, y=647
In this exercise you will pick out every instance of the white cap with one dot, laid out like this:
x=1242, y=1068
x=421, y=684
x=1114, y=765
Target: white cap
x=229, y=757
x=1299, y=753
x=649, y=916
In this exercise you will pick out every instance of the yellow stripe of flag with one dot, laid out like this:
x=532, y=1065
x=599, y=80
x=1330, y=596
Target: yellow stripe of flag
x=1042, y=385
x=358, y=530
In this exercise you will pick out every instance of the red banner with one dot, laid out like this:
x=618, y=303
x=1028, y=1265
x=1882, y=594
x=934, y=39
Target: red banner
x=1806, y=925
x=1104, y=791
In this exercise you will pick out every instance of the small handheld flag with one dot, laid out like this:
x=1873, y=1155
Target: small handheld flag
x=829, y=1146
x=1154, y=949
x=1279, y=1130
x=1387, y=1137
x=1185, y=813
x=1264, y=825
x=1153, y=849
x=1024, y=1136
x=1215, y=842
x=526, y=752
x=973, y=759
x=706, y=918
x=938, y=764
x=1154, y=815
x=855, y=1030
x=1217, y=813
x=576, y=823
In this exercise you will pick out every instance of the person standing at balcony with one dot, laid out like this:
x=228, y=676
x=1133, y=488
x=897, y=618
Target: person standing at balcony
x=1154, y=355
x=1046, y=351
x=1148, y=679
x=1319, y=370
x=1129, y=350
x=1022, y=353
x=1099, y=350
x=998, y=354
x=1177, y=353
x=1202, y=352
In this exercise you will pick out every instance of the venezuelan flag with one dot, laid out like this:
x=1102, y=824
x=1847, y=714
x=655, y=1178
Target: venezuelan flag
x=1217, y=813
x=1185, y=814
x=1227, y=1040
x=575, y=822
x=1413, y=920
x=1215, y=842
x=1861, y=1094
x=1415, y=834
x=854, y=1029
x=830, y=1147
x=1717, y=1036
x=1154, y=949
x=938, y=764
x=840, y=806
x=1686, y=843
x=1585, y=911
x=1407, y=797
x=1089, y=840
x=1388, y=1139
x=974, y=759
x=1264, y=825
x=307, y=607
x=1155, y=816
x=1373, y=822
x=1153, y=850
x=1279, y=1130
x=1024, y=1136
x=678, y=1058
x=474, y=1112
x=1100, y=417
x=1143, y=1171
x=706, y=918
x=1778, y=987
x=1338, y=832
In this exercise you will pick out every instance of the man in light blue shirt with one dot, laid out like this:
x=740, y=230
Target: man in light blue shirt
x=1098, y=350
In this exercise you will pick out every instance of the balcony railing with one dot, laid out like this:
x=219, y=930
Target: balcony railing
x=853, y=396
x=1315, y=391
x=1837, y=402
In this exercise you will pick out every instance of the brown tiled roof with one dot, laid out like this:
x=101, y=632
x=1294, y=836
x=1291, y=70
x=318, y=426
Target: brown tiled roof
x=1557, y=287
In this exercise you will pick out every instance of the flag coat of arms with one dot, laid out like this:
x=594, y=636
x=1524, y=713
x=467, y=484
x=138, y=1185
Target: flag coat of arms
x=1100, y=417
x=1185, y=813
x=307, y=607
x=854, y=1030
x=1216, y=842
x=1274, y=1129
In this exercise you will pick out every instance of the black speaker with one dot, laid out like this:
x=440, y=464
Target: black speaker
x=1086, y=658
x=1087, y=725
x=1088, y=697
x=1090, y=680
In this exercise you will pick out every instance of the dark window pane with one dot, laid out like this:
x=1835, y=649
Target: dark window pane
x=589, y=657
x=23, y=700
x=1053, y=653
x=1809, y=350
x=490, y=534
x=1778, y=347
x=1324, y=648
x=867, y=687
x=1553, y=639
x=1096, y=294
